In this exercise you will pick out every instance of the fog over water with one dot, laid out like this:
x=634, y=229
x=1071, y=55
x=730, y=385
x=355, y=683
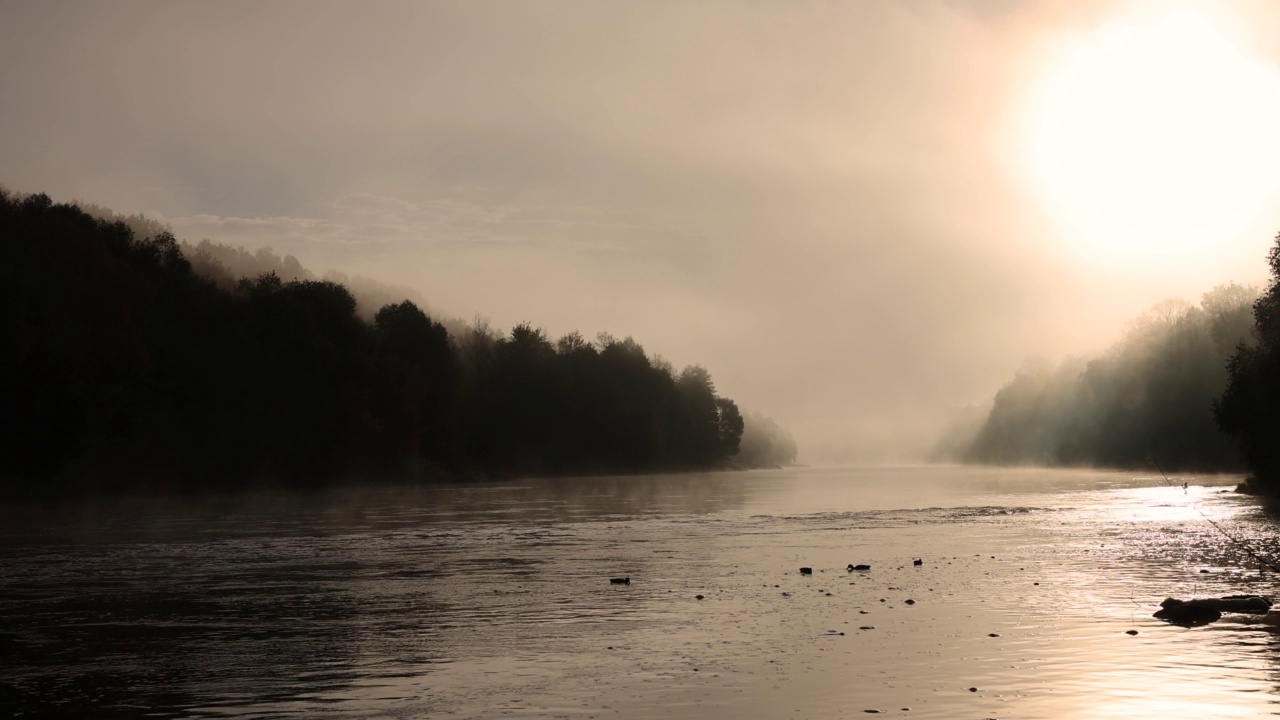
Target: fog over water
x=828, y=205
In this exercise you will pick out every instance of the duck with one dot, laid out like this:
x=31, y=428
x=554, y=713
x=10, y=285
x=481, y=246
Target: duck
x=620, y=581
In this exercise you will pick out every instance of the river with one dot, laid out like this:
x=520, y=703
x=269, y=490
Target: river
x=495, y=600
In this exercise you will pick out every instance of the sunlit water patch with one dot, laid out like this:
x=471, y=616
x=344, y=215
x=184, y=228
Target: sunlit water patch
x=484, y=601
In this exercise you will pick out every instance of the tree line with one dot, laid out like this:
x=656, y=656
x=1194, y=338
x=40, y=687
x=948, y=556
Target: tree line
x=1150, y=397
x=124, y=366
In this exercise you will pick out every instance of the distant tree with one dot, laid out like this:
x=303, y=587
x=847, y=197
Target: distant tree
x=521, y=407
x=731, y=426
x=416, y=377
x=1230, y=308
x=573, y=344
x=634, y=431
x=312, y=351
x=701, y=417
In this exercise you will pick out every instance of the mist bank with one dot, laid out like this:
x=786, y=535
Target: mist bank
x=1149, y=399
x=135, y=361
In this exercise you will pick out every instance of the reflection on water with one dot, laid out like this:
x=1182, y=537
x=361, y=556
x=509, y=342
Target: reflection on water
x=490, y=600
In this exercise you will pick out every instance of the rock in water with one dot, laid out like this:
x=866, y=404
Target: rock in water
x=1204, y=607
x=1187, y=614
x=1252, y=604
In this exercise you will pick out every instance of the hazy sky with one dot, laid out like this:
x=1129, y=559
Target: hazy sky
x=831, y=205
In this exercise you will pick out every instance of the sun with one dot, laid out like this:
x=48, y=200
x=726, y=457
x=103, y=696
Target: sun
x=1155, y=144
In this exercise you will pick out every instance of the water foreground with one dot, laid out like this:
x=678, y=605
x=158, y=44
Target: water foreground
x=495, y=601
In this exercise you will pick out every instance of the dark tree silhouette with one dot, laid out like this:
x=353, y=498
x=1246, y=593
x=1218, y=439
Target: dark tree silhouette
x=122, y=364
x=1249, y=409
x=414, y=387
x=730, y=426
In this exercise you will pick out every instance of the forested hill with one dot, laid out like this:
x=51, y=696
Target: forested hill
x=226, y=265
x=1150, y=397
x=123, y=366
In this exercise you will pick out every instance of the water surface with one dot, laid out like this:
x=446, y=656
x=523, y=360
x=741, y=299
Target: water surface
x=494, y=600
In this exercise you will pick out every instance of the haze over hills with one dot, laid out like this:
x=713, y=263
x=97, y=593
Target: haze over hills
x=1146, y=403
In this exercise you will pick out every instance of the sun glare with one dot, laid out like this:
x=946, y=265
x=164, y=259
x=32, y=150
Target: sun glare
x=1158, y=143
